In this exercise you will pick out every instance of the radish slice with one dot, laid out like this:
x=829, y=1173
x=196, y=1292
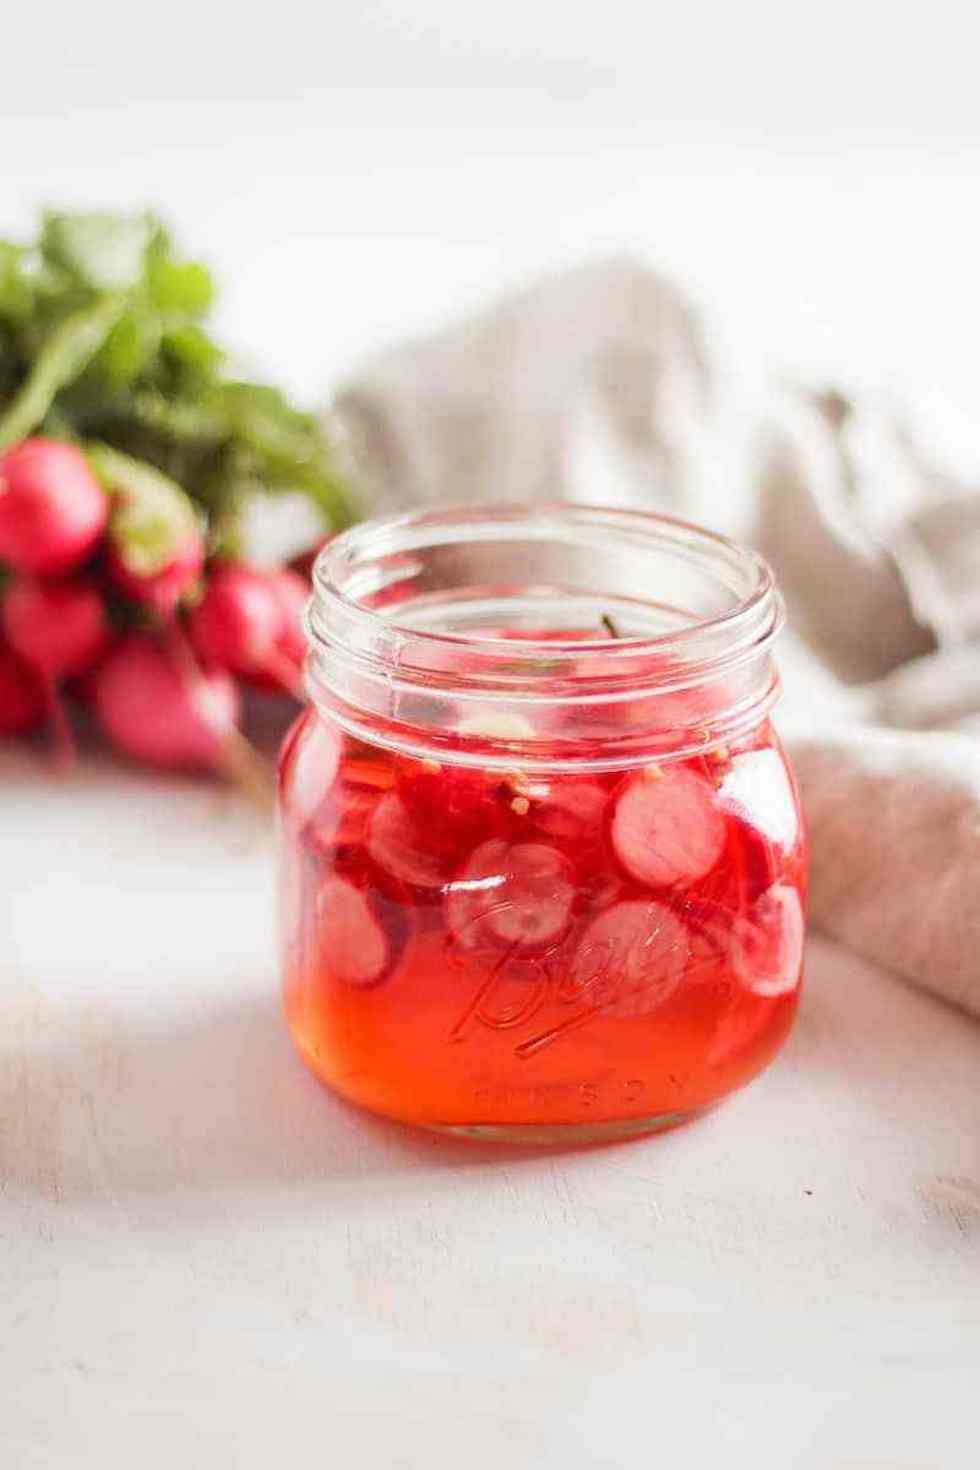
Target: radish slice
x=512, y=895
x=767, y=942
x=571, y=809
x=353, y=946
x=630, y=959
x=667, y=828
x=394, y=843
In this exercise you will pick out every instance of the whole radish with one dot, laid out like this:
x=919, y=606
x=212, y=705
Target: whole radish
x=157, y=707
x=161, y=588
x=52, y=509
x=155, y=546
x=59, y=627
x=239, y=620
x=22, y=701
x=247, y=623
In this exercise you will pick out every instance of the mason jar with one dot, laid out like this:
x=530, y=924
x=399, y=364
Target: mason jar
x=543, y=865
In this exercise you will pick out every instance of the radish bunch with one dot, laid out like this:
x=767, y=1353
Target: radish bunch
x=108, y=599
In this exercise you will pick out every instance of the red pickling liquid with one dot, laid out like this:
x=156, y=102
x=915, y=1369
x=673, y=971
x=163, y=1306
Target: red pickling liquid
x=505, y=951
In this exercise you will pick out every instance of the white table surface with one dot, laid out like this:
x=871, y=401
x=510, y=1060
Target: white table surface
x=207, y=1260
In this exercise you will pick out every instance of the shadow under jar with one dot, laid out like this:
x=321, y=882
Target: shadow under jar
x=543, y=866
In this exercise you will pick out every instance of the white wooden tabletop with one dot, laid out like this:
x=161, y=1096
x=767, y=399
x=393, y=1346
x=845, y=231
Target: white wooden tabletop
x=208, y=1260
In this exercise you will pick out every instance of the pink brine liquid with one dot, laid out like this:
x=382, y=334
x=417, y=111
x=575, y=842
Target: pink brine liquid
x=516, y=953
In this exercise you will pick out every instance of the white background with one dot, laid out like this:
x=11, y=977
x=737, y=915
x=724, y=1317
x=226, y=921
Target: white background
x=358, y=172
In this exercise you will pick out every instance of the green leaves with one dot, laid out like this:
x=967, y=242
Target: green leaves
x=151, y=516
x=16, y=297
x=102, y=252
x=181, y=288
x=103, y=336
x=69, y=349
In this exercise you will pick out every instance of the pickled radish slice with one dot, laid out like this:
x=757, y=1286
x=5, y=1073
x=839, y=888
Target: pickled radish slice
x=630, y=959
x=767, y=942
x=454, y=806
x=518, y=894
x=395, y=842
x=571, y=809
x=352, y=943
x=667, y=828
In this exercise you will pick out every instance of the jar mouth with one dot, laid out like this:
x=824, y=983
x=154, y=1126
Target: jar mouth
x=553, y=602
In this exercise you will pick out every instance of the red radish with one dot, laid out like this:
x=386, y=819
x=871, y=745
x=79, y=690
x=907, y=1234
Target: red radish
x=353, y=945
x=22, y=697
x=81, y=687
x=667, y=828
x=395, y=842
x=237, y=623
x=630, y=959
x=52, y=509
x=339, y=834
x=767, y=942
x=570, y=810
x=293, y=592
x=157, y=710
x=248, y=622
x=454, y=806
x=162, y=588
x=61, y=628
x=518, y=894
x=749, y=866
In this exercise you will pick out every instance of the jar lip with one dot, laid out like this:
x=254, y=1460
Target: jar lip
x=403, y=531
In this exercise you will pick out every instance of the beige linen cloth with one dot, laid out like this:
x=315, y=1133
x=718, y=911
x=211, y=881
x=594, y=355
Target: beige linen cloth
x=603, y=385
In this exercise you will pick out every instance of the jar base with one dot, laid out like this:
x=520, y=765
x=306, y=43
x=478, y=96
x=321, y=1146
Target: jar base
x=563, y=1134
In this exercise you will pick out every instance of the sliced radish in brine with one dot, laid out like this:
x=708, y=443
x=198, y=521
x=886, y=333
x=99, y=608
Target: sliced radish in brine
x=570, y=809
x=667, y=828
x=506, y=894
x=630, y=959
x=353, y=945
x=396, y=844
x=767, y=942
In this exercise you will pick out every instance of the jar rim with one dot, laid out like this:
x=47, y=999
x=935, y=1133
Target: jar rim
x=408, y=530
x=378, y=671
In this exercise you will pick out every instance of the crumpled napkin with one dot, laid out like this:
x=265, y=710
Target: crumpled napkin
x=603, y=384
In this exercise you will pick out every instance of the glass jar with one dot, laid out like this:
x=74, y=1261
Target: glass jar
x=543, y=866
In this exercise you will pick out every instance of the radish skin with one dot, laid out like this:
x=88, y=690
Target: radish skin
x=154, y=710
x=60, y=628
x=53, y=510
x=22, y=700
x=161, y=590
